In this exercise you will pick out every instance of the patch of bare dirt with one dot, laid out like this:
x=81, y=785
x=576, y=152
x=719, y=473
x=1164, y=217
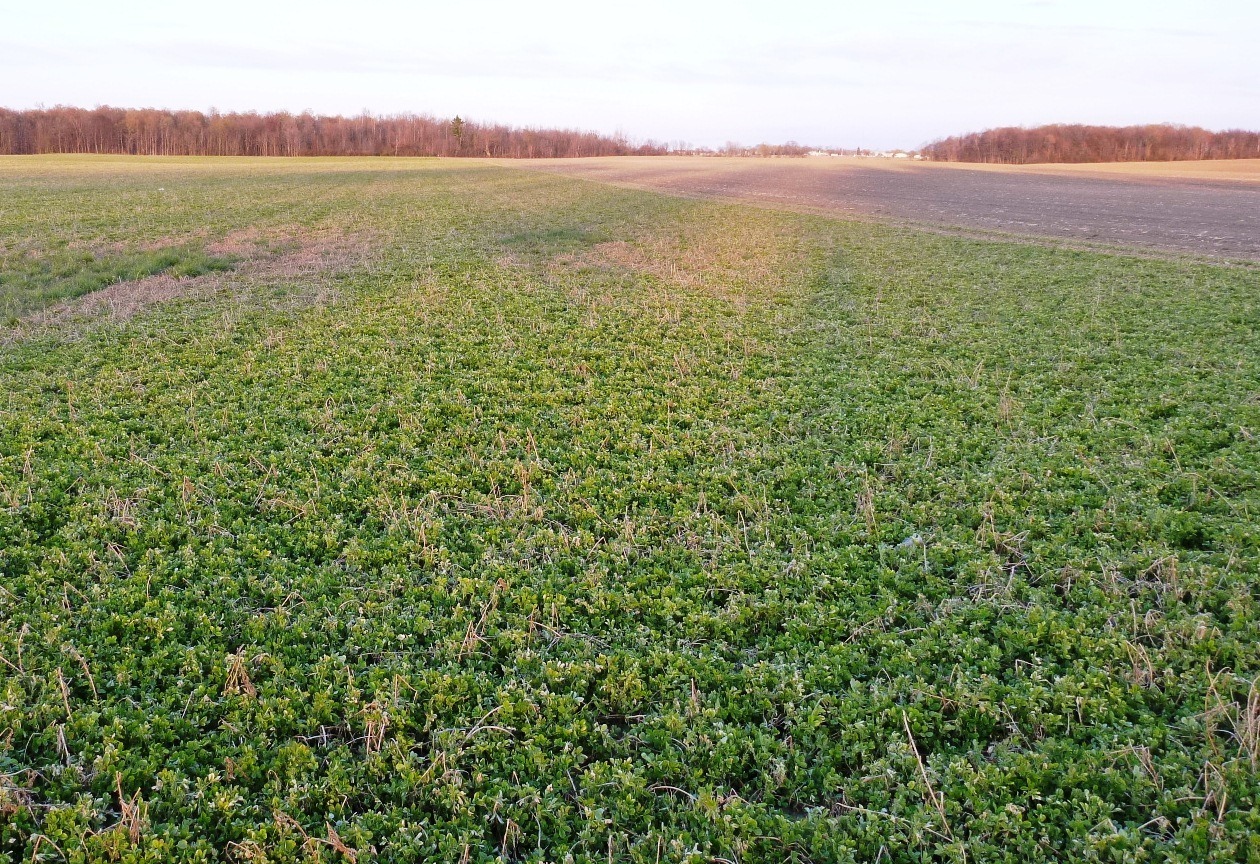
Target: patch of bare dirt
x=270, y=256
x=249, y=242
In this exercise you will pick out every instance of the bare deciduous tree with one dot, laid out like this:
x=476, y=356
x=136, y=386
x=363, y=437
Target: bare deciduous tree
x=155, y=132
x=1075, y=143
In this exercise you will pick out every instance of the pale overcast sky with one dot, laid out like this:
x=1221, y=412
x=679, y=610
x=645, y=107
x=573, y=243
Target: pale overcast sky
x=877, y=73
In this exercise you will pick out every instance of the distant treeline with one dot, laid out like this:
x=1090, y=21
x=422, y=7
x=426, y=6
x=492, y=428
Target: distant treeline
x=791, y=148
x=1157, y=143
x=153, y=132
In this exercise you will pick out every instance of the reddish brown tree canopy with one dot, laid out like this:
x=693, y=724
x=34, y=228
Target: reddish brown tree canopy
x=154, y=132
x=1159, y=143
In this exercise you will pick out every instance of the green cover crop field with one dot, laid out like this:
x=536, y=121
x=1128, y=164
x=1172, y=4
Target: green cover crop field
x=421, y=510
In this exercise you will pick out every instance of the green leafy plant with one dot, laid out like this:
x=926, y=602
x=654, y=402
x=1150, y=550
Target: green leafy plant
x=574, y=523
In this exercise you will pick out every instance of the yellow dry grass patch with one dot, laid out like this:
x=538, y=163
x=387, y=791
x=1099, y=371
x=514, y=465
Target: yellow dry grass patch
x=735, y=263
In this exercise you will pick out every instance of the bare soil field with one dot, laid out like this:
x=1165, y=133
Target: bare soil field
x=1227, y=171
x=1209, y=209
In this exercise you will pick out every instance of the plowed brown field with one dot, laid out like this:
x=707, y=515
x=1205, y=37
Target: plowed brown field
x=1209, y=209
